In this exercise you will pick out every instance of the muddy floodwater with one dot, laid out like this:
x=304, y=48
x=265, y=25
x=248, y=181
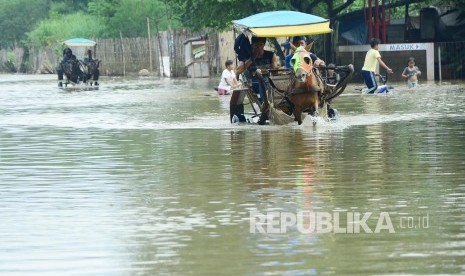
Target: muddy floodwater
x=146, y=176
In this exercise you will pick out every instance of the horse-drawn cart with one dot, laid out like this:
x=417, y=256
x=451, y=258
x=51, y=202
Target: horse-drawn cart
x=81, y=71
x=289, y=92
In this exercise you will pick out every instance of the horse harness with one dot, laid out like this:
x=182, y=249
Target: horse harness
x=294, y=79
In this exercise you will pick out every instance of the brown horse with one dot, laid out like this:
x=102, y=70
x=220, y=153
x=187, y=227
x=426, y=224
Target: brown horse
x=305, y=88
x=291, y=93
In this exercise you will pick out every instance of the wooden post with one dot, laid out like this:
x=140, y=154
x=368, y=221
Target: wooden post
x=219, y=63
x=384, y=22
x=370, y=16
x=150, y=43
x=439, y=63
x=122, y=49
x=162, y=71
x=170, y=39
x=207, y=58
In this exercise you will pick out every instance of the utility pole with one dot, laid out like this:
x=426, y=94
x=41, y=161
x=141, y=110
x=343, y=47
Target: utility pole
x=150, y=43
x=171, y=45
x=162, y=71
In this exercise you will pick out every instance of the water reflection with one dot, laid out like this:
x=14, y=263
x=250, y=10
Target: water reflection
x=149, y=177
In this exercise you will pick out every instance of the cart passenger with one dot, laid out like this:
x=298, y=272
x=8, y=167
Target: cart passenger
x=69, y=59
x=302, y=41
x=254, y=67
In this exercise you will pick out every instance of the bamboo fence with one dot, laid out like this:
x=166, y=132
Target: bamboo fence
x=120, y=56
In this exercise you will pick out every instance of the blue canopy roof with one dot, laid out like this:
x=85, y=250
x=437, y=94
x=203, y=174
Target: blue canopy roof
x=279, y=18
x=283, y=23
x=80, y=42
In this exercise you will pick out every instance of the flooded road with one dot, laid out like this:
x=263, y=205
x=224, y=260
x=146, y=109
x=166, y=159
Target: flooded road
x=148, y=177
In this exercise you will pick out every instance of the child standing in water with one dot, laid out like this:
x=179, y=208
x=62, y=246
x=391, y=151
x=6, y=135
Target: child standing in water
x=411, y=73
x=228, y=79
x=372, y=58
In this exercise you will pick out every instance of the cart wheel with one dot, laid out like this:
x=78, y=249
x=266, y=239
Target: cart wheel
x=333, y=114
x=263, y=117
x=238, y=112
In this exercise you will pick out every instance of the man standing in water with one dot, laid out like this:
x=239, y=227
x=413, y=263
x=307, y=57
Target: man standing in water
x=369, y=67
x=302, y=41
x=261, y=59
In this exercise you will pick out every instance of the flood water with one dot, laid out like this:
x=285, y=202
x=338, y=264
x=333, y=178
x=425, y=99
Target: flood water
x=147, y=177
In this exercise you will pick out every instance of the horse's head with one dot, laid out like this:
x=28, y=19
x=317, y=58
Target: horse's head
x=302, y=66
x=301, y=63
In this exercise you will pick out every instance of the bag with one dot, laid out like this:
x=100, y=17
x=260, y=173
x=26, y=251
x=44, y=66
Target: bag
x=242, y=47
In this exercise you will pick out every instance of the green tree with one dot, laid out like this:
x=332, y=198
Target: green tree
x=103, y=10
x=47, y=21
x=130, y=17
x=53, y=31
x=198, y=14
x=62, y=7
x=19, y=16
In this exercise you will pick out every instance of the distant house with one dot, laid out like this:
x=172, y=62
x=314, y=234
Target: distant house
x=445, y=30
x=431, y=25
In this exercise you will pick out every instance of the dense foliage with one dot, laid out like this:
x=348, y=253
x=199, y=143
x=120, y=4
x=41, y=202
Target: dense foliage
x=17, y=17
x=130, y=17
x=44, y=22
x=52, y=31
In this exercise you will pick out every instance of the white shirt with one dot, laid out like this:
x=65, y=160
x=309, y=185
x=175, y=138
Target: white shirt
x=226, y=75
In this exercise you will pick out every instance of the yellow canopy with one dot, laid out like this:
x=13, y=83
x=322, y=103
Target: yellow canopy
x=310, y=29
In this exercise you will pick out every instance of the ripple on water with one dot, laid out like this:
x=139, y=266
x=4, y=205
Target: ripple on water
x=147, y=176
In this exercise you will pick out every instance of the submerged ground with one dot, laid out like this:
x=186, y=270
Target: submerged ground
x=147, y=176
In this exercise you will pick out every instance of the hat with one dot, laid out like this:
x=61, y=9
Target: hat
x=298, y=38
x=258, y=39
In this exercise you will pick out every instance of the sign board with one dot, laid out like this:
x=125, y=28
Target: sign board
x=198, y=51
x=403, y=47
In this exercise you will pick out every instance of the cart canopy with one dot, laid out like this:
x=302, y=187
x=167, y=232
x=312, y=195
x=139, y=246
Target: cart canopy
x=76, y=42
x=283, y=23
